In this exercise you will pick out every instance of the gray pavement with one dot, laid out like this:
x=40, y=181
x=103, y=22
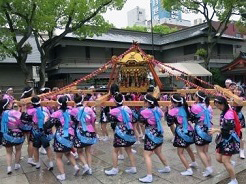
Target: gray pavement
x=102, y=160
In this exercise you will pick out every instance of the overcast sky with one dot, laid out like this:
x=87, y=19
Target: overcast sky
x=119, y=18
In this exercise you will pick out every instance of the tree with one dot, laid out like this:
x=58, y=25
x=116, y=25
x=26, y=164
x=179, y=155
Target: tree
x=82, y=18
x=15, y=29
x=161, y=29
x=137, y=28
x=223, y=9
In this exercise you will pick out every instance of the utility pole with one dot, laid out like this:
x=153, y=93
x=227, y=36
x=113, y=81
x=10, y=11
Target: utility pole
x=151, y=24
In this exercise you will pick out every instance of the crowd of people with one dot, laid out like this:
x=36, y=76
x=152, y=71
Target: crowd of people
x=73, y=132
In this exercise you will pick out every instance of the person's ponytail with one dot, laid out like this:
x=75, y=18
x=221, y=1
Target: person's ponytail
x=186, y=107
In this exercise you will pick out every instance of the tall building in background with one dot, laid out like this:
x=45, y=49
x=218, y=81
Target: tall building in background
x=136, y=16
x=158, y=12
x=161, y=16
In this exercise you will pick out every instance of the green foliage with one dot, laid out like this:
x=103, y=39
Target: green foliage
x=201, y=52
x=218, y=78
x=161, y=29
x=241, y=25
x=137, y=28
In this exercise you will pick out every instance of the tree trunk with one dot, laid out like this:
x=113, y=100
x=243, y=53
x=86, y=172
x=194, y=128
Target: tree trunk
x=42, y=71
x=27, y=73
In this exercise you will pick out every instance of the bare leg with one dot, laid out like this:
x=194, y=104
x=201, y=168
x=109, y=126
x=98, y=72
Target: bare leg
x=218, y=157
x=182, y=157
x=120, y=151
x=104, y=129
x=88, y=155
x=202, y=155
x=18, y=153
x=9, y=151
x=161, y=156
x=49, y=153
x=136, y=130
x=36, y=154
x=172, y=128
x=148, y=161
x=131, y=156
x=30, y=146
x=207, y=154
x=81, y=155
x=115, y=157
x=71, y=158
x=227, y=163
x=191, y=154
x=59, y=163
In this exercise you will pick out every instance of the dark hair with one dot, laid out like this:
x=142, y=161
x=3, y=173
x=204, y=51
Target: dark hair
x=27, y=92
x=180, y=101
x=63, y=101
x=78, y=98
x=232, y=84
x=240, y=88
x=128, y=97
x=44, y=90
x=152, y=101
x=203, y=98
x=222, y=101
x=114, y=89
x=35, y=101
x=118, y=97
x=87, y=97
x=3, y=105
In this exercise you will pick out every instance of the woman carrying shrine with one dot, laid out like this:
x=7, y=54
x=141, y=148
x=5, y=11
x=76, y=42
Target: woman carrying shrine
x=239, y=91
x=184, y=133
x=64, y=136
x=123, y=135
x=228, y=141
x=26, y=125
x=151, y=116
x=12, y=136
x=85, y=131
x=40, y=136
x=201, y=115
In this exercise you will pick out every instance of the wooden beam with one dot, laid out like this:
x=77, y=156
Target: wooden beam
x=229, y=94
x=183, y=91
x=102, y=99
x=128, y=103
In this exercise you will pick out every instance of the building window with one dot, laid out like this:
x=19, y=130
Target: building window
x=87, y=53
x=190, y=49
x=238, y=35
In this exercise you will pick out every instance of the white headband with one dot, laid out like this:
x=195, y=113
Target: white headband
x=197, y=94
x=80, y=103
x=6, y=103
x=9, y=89
x=150, y=101
x=59, y=102
x=36, y=103
x=26, y=92
x=178, y=101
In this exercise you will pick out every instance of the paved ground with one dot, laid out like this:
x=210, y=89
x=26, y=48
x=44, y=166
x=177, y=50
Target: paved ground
x=102, y=160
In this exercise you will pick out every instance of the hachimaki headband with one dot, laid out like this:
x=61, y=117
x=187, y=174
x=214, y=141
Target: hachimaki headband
x=202, y=97
x=37, y=103
x=7, y=102
x=178, y=101
x=80, y=103
x=148, y=100
x=27, y=91
x=60, y=102
x=121, y=102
